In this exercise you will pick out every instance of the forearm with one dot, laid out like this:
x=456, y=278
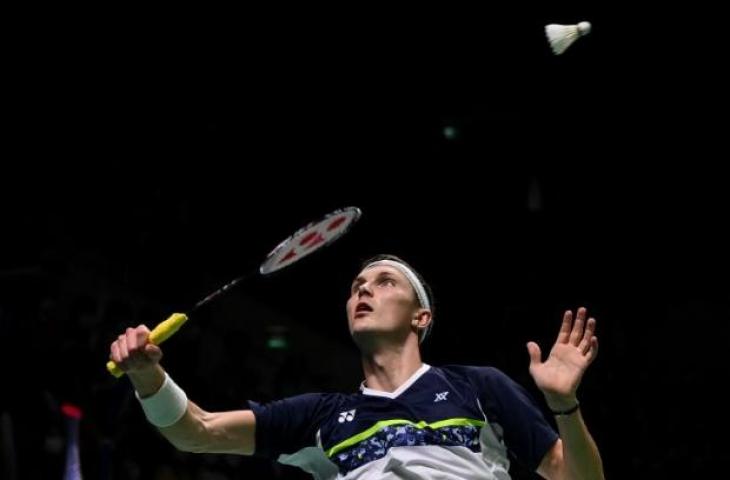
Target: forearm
x=187, y=426
x=580, y=453
x=199, y=431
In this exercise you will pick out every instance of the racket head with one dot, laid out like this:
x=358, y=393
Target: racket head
x=310, y=238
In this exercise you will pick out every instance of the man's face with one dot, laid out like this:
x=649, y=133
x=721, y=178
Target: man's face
x=382, y=302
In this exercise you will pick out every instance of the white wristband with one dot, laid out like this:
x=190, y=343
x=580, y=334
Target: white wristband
x=166, y=406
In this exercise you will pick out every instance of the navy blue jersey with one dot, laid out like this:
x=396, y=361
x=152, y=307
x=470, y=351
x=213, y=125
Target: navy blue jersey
x=444, y=422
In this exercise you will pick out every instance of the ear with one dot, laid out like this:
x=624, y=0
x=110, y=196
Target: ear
x=421, y=319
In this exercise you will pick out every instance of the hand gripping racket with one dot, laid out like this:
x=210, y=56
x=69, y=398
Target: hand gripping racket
x=303, y=242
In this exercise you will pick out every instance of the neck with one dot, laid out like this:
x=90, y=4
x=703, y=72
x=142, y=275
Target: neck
x=387, y=369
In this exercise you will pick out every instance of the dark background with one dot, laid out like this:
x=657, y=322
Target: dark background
x=153, y=156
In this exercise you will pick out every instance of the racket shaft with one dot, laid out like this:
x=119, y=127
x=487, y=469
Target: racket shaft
x=225, y=288
x=159, y=334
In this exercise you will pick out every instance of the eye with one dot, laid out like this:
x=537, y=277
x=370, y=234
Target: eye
x=388, y=281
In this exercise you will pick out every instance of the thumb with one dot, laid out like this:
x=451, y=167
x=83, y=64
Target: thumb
x=535, y=355
x=153, y=352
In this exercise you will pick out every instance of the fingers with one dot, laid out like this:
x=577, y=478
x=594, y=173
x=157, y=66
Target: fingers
x=535, y=355
x=131, y=340
x=142, y=333
x=131, y=350
x=581, y=333
x=115, y=356
x=564, y=333
x=588, y=334
x=576, y=334
x=122, y=343
x=592, y=350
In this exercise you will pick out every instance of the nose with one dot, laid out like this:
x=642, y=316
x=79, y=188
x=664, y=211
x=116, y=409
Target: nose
x=363, y=289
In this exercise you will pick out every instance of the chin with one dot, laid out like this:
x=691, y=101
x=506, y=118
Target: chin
x=362, y=330
x=364, y=334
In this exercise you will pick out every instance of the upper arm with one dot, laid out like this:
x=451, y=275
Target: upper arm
x=552, y=465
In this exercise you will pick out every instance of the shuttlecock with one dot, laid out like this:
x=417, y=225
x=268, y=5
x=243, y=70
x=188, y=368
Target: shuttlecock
x=563, y=36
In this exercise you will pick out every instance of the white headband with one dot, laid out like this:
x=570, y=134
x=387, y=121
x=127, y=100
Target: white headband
x=415, y=283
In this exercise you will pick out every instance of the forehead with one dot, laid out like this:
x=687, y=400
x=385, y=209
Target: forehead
x=373, y=272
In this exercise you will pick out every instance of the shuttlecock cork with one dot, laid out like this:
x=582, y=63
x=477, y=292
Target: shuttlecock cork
x=563, y=36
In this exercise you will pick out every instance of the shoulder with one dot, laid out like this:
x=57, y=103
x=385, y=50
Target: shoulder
x=491, y=383
x=304, y=404
x=473, y=373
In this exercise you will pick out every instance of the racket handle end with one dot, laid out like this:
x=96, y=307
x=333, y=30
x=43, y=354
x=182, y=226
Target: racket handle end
x=114, y=369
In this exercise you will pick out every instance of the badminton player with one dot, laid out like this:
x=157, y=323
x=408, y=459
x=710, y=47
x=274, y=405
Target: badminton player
x=407, y=420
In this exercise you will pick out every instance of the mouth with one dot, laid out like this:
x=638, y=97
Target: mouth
x=362, y=309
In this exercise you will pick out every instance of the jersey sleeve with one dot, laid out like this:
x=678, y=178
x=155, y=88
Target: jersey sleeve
x=287, y=426
x=526, y=432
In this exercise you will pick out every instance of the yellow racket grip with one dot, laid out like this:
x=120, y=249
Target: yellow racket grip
x=159, y=334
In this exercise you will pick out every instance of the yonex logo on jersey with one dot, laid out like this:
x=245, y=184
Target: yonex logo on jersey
x=347, y=416
x=440, y=397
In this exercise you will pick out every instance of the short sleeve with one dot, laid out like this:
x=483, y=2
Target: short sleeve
x=288, y=425
x=526, y=432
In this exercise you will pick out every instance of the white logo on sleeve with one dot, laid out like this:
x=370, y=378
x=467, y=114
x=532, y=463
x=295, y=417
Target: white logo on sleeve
x=440, y=397
x=347, y=416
